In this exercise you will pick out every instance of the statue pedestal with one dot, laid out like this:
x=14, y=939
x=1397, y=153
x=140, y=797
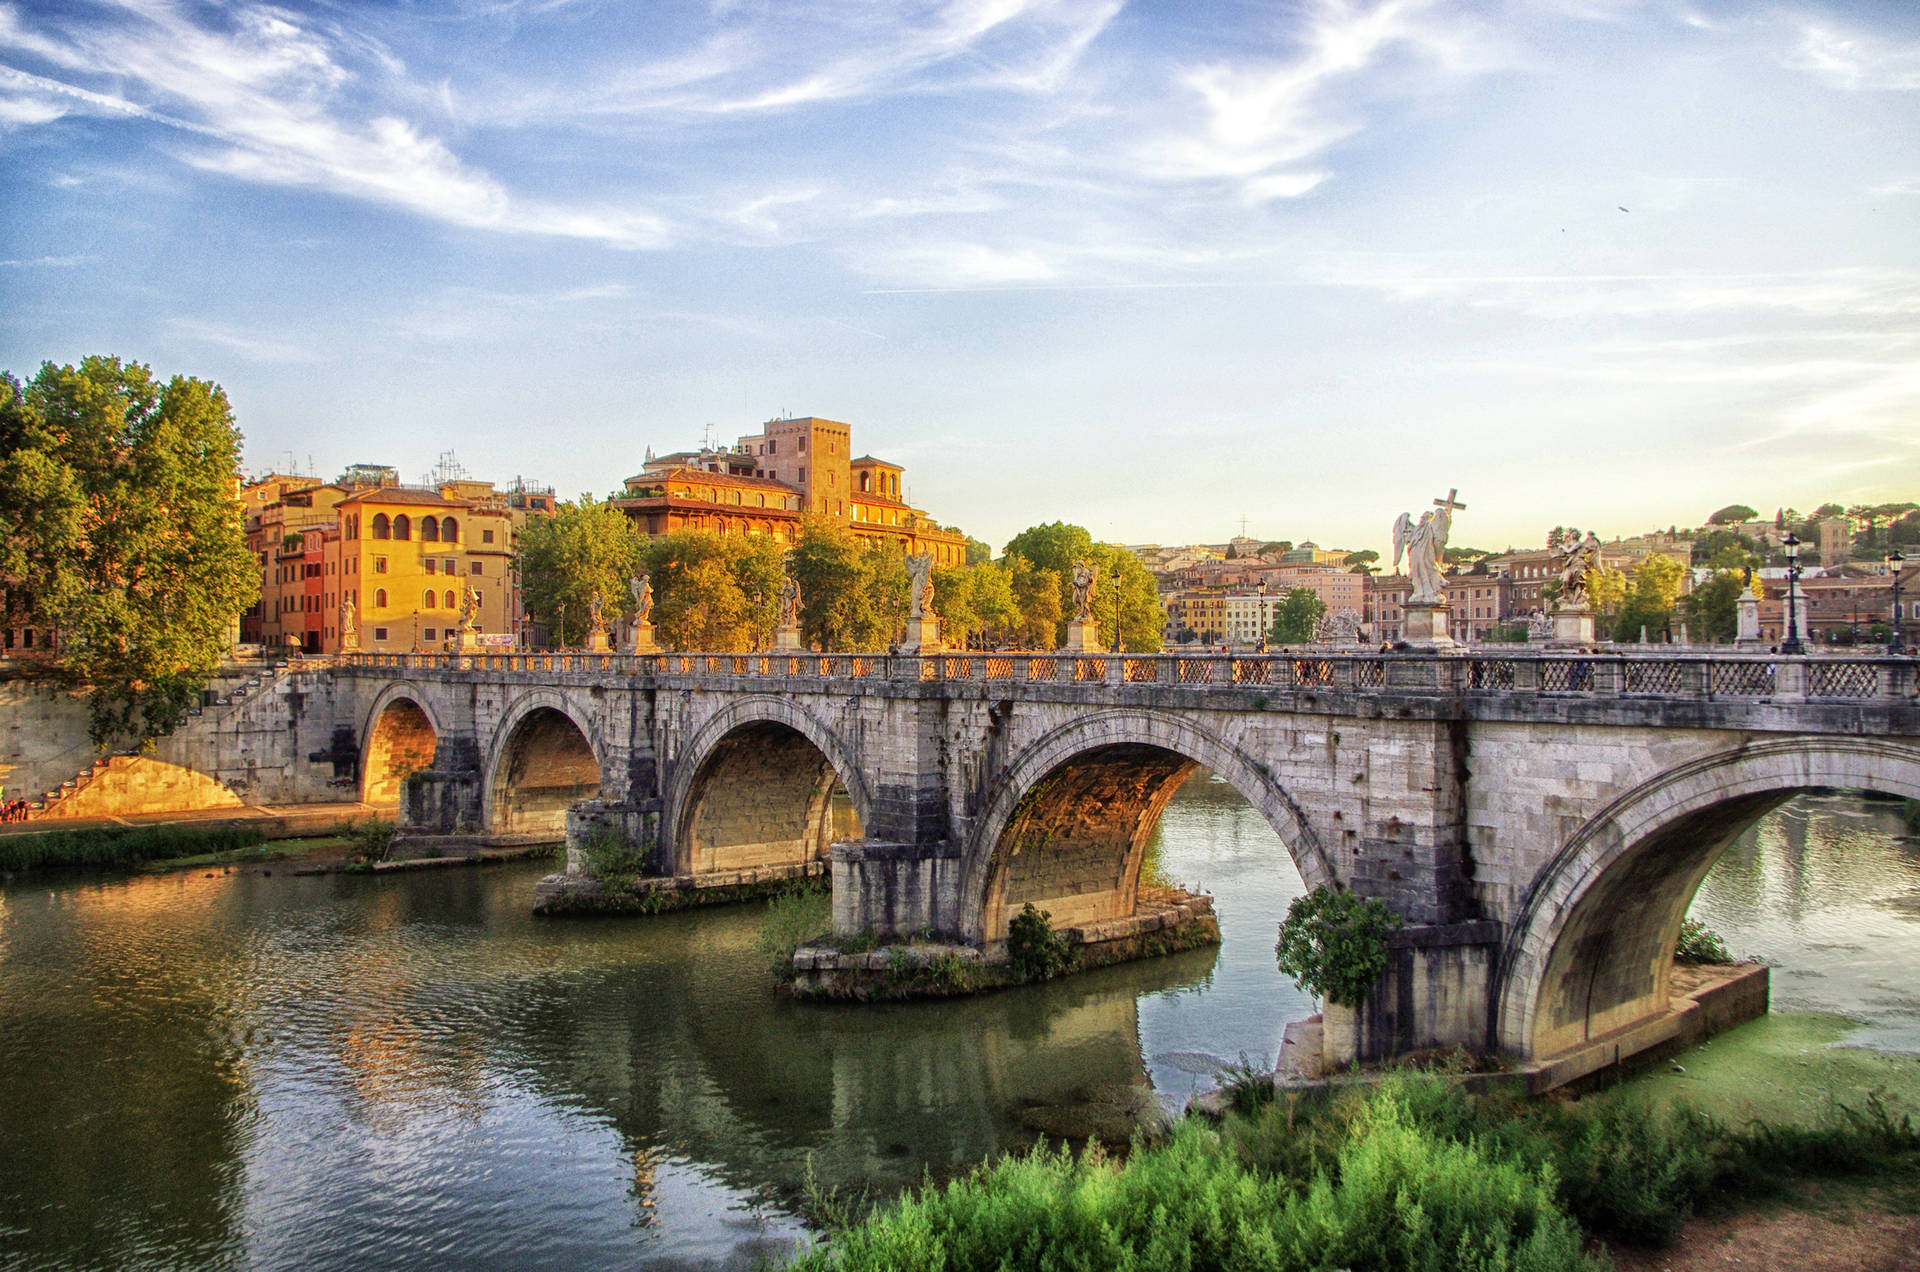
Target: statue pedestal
x=1429, y=625
x=1572, y=628
x=1083, y=637
x=786, y=640
x=598, y=642
x=923, y=637
x=1748, y=612
x=464, y=641
x=643, y=641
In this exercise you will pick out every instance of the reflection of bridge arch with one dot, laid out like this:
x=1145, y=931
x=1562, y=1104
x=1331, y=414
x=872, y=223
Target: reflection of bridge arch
x=1070, y=819
x=402, y=735
x=543, y=761
x=764, y=782
x=1591, y=948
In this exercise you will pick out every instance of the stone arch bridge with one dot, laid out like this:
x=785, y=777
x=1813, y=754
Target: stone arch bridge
x=1541, y=821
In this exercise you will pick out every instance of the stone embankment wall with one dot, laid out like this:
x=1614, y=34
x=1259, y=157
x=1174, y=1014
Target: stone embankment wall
x=43, y=736
x=128, y=785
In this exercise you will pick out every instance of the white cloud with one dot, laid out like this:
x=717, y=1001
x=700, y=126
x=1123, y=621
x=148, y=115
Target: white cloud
x=1855, y=59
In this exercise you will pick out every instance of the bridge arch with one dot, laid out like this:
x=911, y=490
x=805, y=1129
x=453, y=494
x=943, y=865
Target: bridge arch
x=1591, y=949
x=1126, y=764
x=402, y=734
x=545, y=758
x=764, y=781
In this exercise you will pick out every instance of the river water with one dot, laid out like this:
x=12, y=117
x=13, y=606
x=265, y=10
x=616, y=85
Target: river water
x=268, y=1071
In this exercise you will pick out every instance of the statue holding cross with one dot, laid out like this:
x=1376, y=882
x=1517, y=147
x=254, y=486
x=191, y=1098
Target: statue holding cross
x=1425, y=546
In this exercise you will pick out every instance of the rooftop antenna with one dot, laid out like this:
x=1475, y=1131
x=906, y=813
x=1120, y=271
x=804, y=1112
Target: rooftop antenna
x=1243, y=525
x=706, y=436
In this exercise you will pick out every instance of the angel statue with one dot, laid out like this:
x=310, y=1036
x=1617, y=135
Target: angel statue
x=789, y=602
x=469, y=609
x=1085, y=575
x=641, y=589
x=1425, y=546
x=920, y=587
x=596, y=610
x=1575, y=560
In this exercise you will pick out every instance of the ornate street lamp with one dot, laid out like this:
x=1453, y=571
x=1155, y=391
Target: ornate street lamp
x=1894, y=562
x=1791, y=645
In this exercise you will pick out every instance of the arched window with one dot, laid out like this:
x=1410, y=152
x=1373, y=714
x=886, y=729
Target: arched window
x=450, y=602
x=449, y=530
x=380, y=526
x=429, y=530
x=429, y=600
x=866, y=483
x=380, y=598
x=402, y=528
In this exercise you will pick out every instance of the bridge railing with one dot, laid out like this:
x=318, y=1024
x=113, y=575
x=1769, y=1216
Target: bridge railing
x=1613, y=675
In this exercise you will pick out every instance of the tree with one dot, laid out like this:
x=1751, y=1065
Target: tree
x=715, y=593
x=853, y=594
x=1711, y=545
x=1364, y=559
x=585, y=547
x=1141, y=618
x=1036, y=594
x=119, y=530
x=1713, y=608
x=1297, y=617
x=1334, y=944
x=1606, y=590
x=1650, y=605
x=1826, y=510
x=979, y=552
x=1282, y=546
x=1732, y=514
x=1053, y=548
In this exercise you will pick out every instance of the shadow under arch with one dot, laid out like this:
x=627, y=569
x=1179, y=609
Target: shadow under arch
x=764, y=782
x=1092, y=791
x=402, y=736
x=1590, y=951
x=543, y=761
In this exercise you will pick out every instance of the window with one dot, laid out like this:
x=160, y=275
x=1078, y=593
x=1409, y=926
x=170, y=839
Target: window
x=473, y=567
x=803, y=445
x=450, y=566
x=486, y=536
x=431, y=563
x=450, y=602
x=379, y=565
x=430, y=633
x=402, y=527
x=380, y=600
x=429, y=530
x=381, y=527
x=379, y=633
x=449, y=530
x=773, y=448
x=429, y=599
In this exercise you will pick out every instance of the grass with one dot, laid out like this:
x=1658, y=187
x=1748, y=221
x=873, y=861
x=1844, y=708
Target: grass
x=1411, y=1174
x=129, y=846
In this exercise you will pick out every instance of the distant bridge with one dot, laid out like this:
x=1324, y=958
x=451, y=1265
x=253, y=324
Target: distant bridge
x=1540, y=820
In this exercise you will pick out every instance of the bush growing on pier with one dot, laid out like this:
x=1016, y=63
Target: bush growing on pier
x=1034, y=950
x=793, y=919
x=369, y=839
x=1334, y=944
x=1700, y=944
x=616, y=863
x=100, y=847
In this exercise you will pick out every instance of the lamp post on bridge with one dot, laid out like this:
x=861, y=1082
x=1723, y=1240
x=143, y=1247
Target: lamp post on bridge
x=1791, y=643
x=1894, y=562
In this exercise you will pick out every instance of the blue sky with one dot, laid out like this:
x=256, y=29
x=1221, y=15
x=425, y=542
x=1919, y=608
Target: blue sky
x=1147, y=267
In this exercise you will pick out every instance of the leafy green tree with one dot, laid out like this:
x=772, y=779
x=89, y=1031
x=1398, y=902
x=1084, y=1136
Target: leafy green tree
x=1826, y=510
x=1036, y=594
x=715, y=593
x=1297, y=617
x=994, y=604
x=1276, y=545
x=979, y=552
x=119, y=529
x=1732, y=514
x=586, y=546
x=1053, y=548
x=1367, y=556
x=853, y=593
x=1709, y=546
x=1334, y=944
x=1650, y=605
x=1713, y=608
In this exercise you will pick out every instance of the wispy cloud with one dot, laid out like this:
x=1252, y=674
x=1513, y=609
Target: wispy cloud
x=49, y=262
x=248, y=344
x=1854, y=59
x=275, y=97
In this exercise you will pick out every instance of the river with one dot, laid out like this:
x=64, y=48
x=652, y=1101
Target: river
x=256, y=1070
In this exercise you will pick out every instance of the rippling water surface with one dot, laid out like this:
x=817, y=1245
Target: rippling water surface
x=261, y=1071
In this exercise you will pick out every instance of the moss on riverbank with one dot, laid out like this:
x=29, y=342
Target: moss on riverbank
x=123, y=847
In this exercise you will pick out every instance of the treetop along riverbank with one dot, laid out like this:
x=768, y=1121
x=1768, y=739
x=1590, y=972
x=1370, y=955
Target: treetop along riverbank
x=1414, y=1174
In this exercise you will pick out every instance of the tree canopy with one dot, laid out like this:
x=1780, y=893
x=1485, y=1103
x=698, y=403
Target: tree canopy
x=1732, y=514
x=1052, y=549
x=1297, y=618
x=713, y=593
x=119, y=530
x=586, y=546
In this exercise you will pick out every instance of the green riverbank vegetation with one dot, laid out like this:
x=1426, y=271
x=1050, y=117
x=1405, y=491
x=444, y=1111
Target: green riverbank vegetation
x=116, y=846
x=1412, y=1175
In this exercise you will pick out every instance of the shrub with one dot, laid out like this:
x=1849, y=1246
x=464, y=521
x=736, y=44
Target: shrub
x=1334, y=944
x=793, y=919
x=1700, y=944
x=101, y=847
x=610, y=858
x=1035, y=951
x=369, y=839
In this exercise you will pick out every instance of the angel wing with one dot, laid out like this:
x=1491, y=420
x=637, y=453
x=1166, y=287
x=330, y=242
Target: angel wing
x=1402, y=535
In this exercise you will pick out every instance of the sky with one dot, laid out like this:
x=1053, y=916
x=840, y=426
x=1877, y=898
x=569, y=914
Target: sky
x=1148, y=267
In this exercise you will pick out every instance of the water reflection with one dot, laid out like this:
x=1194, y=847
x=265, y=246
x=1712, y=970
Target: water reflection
x=1828, y=890
x=344, y=1072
